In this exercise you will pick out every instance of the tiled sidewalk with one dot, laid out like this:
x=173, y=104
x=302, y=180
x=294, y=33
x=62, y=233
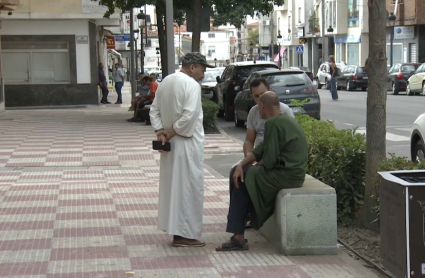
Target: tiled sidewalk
x=78, y=199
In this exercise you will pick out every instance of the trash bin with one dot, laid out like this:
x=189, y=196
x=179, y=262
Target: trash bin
x=402, y=218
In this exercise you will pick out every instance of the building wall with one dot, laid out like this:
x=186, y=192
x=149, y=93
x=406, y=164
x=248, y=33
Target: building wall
x=217, y=47
x=82, y=85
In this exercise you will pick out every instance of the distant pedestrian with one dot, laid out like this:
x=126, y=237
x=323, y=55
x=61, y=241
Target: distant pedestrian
x=119, y=78
x=176, y=115
x=334, y=75
x=103, y=84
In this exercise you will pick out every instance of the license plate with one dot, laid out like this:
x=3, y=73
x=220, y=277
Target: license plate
x=365, y=77
x=296, y=109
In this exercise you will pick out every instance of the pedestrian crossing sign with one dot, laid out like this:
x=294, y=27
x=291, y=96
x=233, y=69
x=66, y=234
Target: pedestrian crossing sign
x=299, y=49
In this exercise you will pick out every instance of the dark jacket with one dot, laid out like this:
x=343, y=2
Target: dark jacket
x=102, y=77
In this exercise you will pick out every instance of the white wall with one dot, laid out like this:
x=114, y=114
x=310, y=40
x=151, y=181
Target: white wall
x=221, y=42
x=56, y=27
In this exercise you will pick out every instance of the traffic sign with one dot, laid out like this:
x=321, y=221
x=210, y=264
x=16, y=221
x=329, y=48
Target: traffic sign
x=122, y=38
x=299, y=49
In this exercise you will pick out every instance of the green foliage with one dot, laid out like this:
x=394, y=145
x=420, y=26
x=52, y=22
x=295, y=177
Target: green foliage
x=337, y=158
x=253, y=36
x=299, y=103
x=210, y=109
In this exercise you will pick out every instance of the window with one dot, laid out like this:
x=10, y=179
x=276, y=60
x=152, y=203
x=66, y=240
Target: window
x=353, y=54
x=353, y=13
x=244, y=72
x=211, y=50
x=36, y=63
x=211, y=35
x=299, y=14
x=338, y=53
x=288, y=80
x=397, y=53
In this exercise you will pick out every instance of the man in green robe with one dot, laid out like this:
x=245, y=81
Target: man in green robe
x=283, y=158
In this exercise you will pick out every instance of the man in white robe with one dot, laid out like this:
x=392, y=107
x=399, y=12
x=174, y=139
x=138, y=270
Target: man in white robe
x=177, y=117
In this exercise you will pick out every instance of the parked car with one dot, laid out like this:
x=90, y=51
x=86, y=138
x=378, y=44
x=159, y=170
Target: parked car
x=416, y=83
x=398, y=76
x=209, y=82
x=417, y=146
x=288, y=84
x=323, y=74
x=306, y=70
x=353, y=77
x=232, y=81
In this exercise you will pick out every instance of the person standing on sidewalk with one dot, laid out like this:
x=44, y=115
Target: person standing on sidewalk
x=176, y=115
x=334, y=75
x=119, y=78
x=103, y=84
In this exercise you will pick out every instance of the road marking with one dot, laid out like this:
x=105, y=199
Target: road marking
x=389, y=136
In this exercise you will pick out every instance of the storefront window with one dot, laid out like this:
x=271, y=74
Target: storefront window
x=338, y=53
x=353, y=54
x=353, y=13
x=397, y=53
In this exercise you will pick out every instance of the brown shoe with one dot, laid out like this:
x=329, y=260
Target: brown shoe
x=185, y=242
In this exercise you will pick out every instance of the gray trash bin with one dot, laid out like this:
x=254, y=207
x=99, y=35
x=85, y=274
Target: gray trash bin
x=402, y=218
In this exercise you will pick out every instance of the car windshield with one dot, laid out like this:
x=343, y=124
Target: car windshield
x=408, y=68
x=288, y=79
x=244, y=72
x=361, y=70
x=211, y=75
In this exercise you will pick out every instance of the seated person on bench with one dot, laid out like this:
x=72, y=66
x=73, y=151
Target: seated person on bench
x=253, y=189
x=144, y=100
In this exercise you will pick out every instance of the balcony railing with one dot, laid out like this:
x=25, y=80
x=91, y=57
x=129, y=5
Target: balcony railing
x=313, y=26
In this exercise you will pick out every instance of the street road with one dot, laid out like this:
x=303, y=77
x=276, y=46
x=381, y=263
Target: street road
x=350, y=112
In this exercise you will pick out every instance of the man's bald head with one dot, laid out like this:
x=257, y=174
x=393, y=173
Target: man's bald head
x=269, y=105
x=270, y=99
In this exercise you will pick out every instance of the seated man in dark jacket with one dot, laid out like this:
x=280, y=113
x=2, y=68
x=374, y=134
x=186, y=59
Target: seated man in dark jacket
x=253, y=189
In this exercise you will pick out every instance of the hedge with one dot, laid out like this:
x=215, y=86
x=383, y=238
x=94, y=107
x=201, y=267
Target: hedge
x=210, y=109
x=338, y=158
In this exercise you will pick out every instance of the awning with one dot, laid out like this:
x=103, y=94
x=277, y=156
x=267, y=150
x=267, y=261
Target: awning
x=282, y=50
x=115, y=53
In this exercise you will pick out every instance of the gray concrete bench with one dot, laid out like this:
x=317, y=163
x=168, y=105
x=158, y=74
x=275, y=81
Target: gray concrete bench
x=305, y=220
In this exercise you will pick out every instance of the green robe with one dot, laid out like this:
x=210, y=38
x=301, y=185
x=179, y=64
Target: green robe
x=284, y=157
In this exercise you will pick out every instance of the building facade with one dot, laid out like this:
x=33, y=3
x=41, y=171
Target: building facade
x=409, y=28
x=51, y=51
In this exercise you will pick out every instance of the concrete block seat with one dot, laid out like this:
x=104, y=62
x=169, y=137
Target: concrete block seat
x=305, y=220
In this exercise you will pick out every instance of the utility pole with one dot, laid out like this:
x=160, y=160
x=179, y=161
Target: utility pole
x=169, y=27
x=272, y=36
x=323, y=32
x=132, y=67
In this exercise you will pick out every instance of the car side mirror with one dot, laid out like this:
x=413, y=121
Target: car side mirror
x=218, y=79
x=237, y=88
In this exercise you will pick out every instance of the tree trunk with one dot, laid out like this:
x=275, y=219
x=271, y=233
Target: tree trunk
x=160, y=12
x=196, y=35
x=376, y=108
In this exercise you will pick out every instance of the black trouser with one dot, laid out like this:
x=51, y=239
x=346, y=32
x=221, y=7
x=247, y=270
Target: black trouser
x=105, y=92
x=240, y=205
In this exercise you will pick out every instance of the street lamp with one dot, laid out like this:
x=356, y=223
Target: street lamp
x=279, y=37
x=215, y=61
x=136, y=37
x=330, y=29
x=251, y=44
x=157, y=56
x=391, y=18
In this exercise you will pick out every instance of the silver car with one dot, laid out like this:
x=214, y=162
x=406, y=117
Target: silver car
x=323, y=74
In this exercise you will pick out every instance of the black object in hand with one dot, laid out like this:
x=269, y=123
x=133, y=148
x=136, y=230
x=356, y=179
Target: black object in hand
x=158, y=146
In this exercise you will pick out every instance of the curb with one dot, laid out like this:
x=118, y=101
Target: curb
x=224, y=133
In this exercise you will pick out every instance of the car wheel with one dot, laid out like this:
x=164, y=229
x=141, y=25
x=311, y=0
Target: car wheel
x=319, y=86
x=327, y=85
x=228, y=114
x=408, y=91
x=364, y=88
x=423, y=88
x=394, y=89
x=418, y=151
x=238, y=123
x=347, y=86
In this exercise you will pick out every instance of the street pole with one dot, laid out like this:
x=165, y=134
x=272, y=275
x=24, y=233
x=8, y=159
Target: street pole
x=135, y=57
x=142, y=53
x=280, y=58
x=323, y=32
x=132, y=73
x=169, y=27
x=391, y=46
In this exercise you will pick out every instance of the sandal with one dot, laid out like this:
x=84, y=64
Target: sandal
x=233, y=245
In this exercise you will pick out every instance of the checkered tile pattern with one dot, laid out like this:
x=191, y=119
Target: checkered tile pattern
x=100, y=222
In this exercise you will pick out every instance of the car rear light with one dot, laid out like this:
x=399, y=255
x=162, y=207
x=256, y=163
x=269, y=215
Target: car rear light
x=355, y=77
x=234, y=83
x=309, y=90
x=400, y=75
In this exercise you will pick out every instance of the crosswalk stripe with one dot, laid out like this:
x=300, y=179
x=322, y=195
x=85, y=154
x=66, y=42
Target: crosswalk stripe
x=389, y=136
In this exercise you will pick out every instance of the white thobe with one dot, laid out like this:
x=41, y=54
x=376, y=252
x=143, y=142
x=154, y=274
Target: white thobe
x=177, y=105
